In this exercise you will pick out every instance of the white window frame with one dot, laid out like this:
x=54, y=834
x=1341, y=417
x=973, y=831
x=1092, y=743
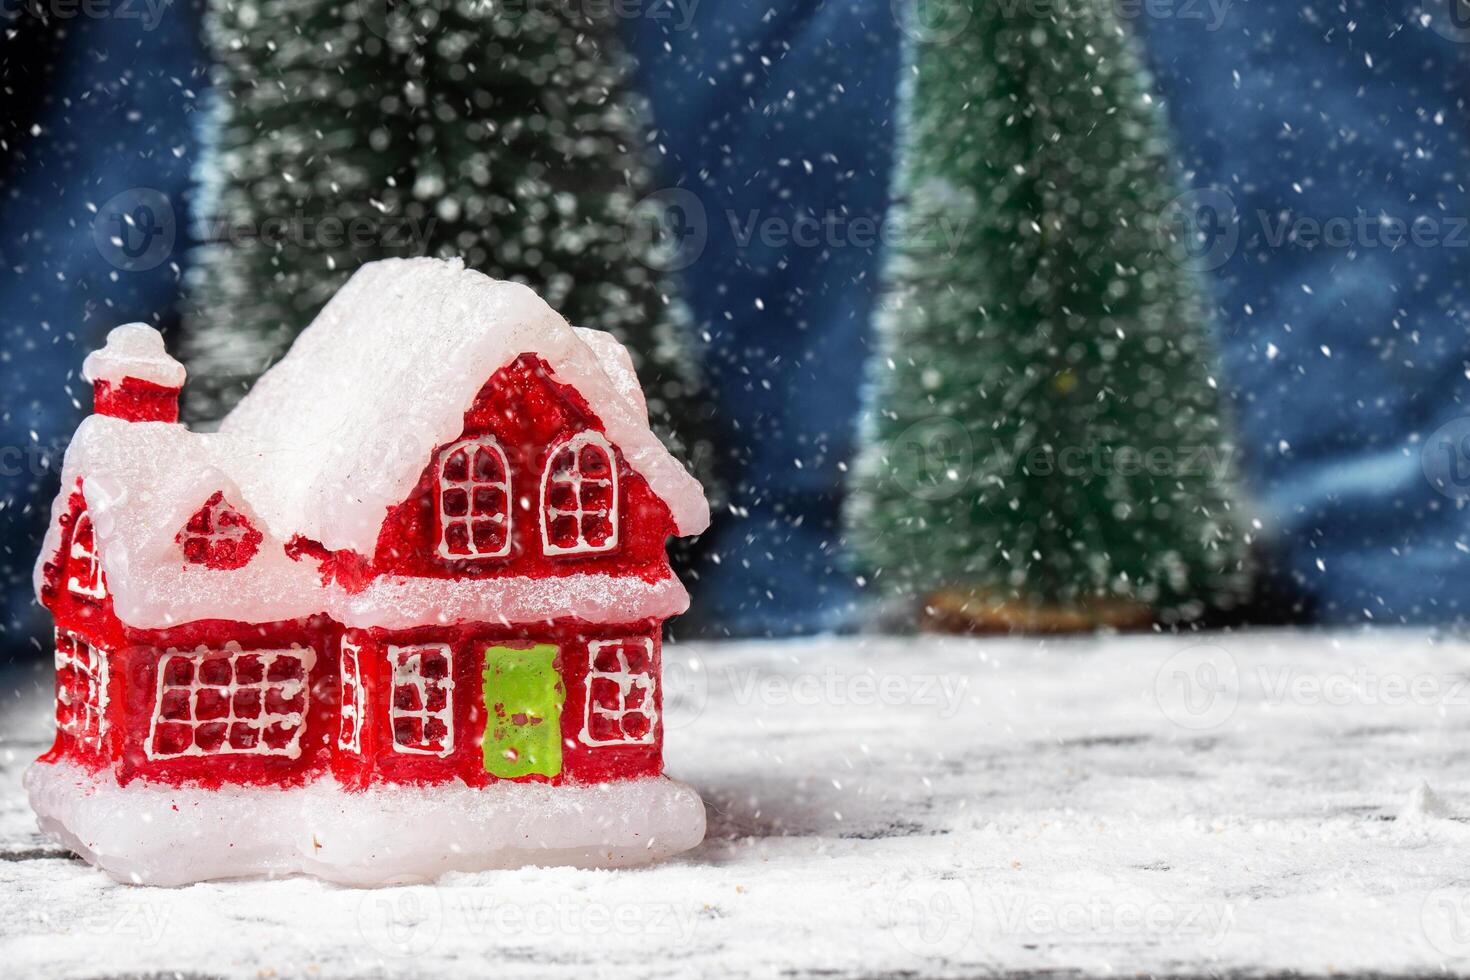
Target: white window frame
x=354, y=697
x=232, y=651
x=89, y=662
x=237, y=532
x=575, y=479
x=626, y=681
x=408, y=669
x=94, y=587
x=469, y=484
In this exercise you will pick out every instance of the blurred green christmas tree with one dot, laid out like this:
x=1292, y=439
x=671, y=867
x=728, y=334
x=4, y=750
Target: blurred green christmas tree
x=1045, y=445
x=343, y=132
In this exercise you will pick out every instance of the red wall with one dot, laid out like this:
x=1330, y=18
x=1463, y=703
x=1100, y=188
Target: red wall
x=135, y=690
x=529, y=414
x=580, y=763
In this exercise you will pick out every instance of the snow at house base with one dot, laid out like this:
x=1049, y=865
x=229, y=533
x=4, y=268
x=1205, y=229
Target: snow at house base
x=423, y=560
x=149, y=834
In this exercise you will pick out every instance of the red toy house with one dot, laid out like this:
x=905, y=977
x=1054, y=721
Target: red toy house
x=418, y=573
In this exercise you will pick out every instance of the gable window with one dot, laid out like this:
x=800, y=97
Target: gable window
x=620, y=708
x=473, y=500
x=86, y=578
x=579, y=497
x=219, y=536
x=421, y=712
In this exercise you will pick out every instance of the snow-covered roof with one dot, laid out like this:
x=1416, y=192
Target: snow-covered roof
x=335, y=435
x=134, y=350
x=385, y=373
x=142, y=482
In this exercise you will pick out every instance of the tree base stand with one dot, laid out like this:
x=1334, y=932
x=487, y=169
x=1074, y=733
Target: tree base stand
x=964, y=611
x=153, y=834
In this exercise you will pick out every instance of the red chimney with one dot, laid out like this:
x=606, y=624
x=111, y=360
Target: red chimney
x=133, y=377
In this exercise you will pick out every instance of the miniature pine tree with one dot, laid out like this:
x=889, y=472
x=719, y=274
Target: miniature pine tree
x=343, y=132
x=1044, y=445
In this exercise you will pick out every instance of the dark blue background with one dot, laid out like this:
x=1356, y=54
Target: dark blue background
x=783, y=110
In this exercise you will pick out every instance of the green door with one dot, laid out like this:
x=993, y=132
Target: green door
x=523, y=699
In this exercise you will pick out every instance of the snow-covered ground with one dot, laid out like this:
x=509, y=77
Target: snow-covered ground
x=1228, y=803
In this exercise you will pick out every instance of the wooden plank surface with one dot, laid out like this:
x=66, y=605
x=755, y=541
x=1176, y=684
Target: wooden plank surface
x=1230, y=804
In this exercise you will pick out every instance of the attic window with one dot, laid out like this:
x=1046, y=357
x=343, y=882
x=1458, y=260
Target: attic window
x=219, y=536
x=579, y=497
x=473, y=500
x=86, y=571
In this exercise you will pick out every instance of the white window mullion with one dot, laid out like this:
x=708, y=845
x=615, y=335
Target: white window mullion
x=620, y=693
x=572, y=499
x=230, y=702
x=86, y=579
x=354, y=698
x=422, y=676
x=473, y=503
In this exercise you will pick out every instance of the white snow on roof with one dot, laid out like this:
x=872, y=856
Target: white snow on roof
x=143, y=480
x=385, y=373
x=617, y=365
x=335, y=435
x=394, y=602
x=134, y=350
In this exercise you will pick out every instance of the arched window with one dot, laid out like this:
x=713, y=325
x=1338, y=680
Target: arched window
x=473, y=499
x=86, y=568
x=579, y=497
